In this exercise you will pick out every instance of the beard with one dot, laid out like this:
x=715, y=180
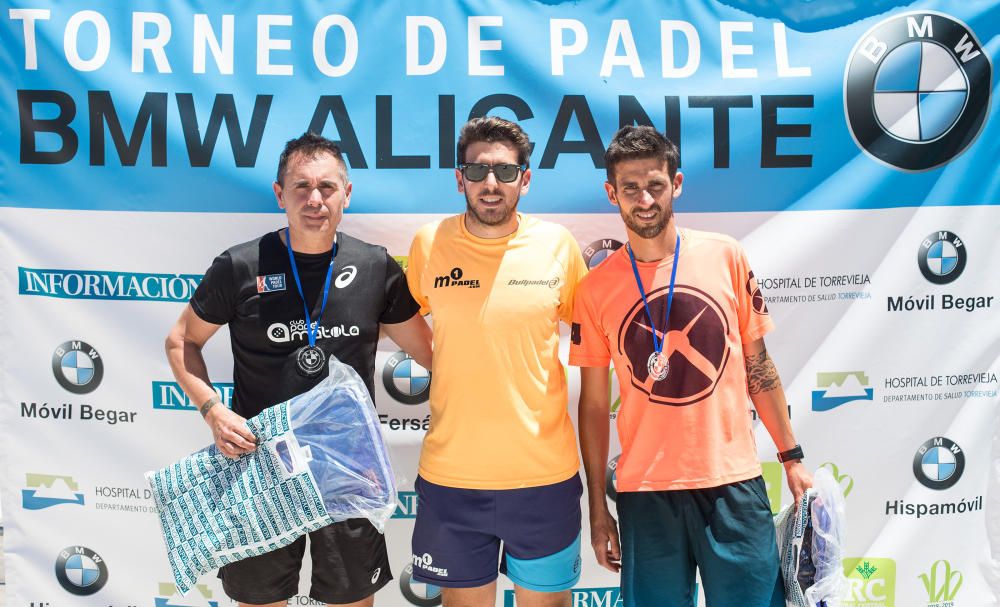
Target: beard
x=647, y=230
x=491, y=216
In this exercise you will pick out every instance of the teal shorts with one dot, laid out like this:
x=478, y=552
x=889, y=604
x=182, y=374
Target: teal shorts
x=726, y=532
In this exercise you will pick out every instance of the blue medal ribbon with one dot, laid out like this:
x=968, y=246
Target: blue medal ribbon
x=311, y=330
x=657, y=342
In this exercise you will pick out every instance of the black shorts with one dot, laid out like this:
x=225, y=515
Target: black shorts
x=349, y=563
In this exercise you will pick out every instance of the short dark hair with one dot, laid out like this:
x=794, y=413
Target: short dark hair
x=490, y=129
x=308, y=145
x=633, y=142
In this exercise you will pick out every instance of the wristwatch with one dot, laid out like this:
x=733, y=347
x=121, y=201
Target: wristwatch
x=795, y=453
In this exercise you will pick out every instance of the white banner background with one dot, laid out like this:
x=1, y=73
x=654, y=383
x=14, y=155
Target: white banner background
x=834, y=242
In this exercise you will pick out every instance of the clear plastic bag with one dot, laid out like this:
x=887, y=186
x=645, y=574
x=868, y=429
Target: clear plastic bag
x=810, y=542
x=320, y=458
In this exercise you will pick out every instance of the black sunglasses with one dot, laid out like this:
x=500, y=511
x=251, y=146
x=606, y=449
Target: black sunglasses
x=477, y=171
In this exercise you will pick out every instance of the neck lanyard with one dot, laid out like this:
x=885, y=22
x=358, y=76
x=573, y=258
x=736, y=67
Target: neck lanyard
x=657, y=342
x=311, y=330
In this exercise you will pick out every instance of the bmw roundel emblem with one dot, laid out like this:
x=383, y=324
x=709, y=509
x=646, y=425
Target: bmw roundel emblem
x=599, y=250
x=77, y=367
x=939, y=463
x=81, y=571
x=611, y=484
x=418, y=593
x=405, y=380
x=917, y=90
x=941, y=257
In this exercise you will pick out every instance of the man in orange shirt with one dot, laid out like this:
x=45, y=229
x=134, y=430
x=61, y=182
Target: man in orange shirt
x=499, y=465
x=679, y=313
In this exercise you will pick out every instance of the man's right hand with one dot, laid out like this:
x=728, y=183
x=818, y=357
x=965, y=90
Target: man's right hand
x=604, y=539
x=232, y=436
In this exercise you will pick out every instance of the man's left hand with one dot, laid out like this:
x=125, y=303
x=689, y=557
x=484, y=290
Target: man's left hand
x=799, y=479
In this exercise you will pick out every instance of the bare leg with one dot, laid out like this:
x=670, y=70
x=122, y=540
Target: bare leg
x=480, y=596
x=533, y=598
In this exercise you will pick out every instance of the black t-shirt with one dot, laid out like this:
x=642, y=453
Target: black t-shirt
x=250, y=287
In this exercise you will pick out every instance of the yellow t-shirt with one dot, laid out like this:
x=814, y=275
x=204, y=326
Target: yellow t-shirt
x=499, y=417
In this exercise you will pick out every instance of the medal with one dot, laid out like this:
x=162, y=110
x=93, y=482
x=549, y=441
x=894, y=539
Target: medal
x=658, y=363
x=658, y=366
x=310, y=359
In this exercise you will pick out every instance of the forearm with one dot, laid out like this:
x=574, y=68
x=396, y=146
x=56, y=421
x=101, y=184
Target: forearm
x=768, y=396
x=594, y=431
x=190, y=371
x=413, y=336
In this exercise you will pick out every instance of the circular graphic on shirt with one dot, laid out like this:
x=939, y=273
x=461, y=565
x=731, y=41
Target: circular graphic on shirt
x=756, y=297
x=696, y=345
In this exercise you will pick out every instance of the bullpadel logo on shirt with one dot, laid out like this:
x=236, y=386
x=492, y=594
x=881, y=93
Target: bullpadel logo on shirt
x=528, y=282
x=455, y=278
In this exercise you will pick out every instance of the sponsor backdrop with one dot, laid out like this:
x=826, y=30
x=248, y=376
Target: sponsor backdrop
x=851, y=147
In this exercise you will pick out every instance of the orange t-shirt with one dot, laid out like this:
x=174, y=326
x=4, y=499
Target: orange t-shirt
x=499, y=416
x=691, y=430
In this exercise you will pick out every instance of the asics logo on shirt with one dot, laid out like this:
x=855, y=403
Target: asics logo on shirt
x=345, y=277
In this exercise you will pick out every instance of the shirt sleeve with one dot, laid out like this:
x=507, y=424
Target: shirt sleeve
x=754, y=318
x=214, y=300
x=414, y=271
x=399, y=304
x=588, y=342
x=576, y=269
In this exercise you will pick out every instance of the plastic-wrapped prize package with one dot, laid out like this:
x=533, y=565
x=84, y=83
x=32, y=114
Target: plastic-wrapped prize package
x=810, y=541
x=320, y=459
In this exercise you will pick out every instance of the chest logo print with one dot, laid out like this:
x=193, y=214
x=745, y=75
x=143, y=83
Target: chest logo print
x=270, y=283
x=696, y=346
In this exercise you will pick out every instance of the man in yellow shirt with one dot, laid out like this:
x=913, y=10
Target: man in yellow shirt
x=499, y=465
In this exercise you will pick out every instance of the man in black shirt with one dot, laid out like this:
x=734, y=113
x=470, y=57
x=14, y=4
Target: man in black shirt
x=292, y=298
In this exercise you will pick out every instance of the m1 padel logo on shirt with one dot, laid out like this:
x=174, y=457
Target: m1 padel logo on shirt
x=455, y=278
x=695, y=345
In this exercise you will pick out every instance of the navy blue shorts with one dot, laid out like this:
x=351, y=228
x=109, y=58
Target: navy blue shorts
x=462, y=537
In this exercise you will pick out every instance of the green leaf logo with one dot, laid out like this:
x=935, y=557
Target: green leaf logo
x=941, y=582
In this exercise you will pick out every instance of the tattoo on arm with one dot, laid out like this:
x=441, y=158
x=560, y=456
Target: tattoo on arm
x=208, y=404
x=762, y=376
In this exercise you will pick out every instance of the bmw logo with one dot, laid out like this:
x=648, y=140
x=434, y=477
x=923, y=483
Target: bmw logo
x=941, y=257
x=418, y=593
x=599, y=250
x=939, y=463
x=611, y=488
x=405, y=380
x=917, y=90
x=81, y=571
x=78, y=367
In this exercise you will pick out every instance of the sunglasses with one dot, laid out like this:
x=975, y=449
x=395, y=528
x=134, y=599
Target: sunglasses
x=477, y=171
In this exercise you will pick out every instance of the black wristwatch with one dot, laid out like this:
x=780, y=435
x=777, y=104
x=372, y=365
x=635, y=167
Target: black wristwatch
x=795, y=453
